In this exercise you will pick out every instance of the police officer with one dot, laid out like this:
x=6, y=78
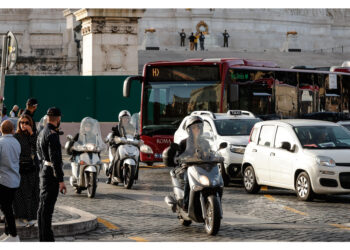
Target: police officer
x=51, y=173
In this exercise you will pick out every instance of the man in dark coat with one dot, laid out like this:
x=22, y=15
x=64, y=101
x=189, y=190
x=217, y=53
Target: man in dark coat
x=182, y=37
x=226, y=36
x=51, y=173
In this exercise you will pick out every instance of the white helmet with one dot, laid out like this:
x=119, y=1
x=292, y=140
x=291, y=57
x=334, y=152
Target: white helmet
x=123, y=113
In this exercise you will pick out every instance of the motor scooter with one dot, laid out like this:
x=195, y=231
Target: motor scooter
x=86, y=162
x=206, y=188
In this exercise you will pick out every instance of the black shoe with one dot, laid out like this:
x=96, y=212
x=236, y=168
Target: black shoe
x=109, y=180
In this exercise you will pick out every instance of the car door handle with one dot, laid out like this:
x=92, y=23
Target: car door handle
x=272, y=154
x=254, y=150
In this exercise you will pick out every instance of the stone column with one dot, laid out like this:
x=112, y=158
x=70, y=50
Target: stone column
x=109, y=41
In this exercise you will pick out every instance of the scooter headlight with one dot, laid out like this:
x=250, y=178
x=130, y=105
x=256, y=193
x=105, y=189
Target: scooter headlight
x=146, y=149
x=204, y=180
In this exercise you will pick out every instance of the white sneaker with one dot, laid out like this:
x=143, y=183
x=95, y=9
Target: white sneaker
x=3, y=236
x=10, y=238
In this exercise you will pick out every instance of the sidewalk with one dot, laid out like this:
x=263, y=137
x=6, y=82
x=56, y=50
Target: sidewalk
x=66, y=221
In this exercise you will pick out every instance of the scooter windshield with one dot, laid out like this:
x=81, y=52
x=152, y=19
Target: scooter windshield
x=42, y=123
x=127, y=129
x=90, y=136
x=198, y=149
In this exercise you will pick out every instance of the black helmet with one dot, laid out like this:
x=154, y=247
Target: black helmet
x=192, y=120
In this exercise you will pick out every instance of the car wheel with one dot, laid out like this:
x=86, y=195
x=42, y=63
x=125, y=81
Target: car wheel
x=303, y=187
x=249, y=180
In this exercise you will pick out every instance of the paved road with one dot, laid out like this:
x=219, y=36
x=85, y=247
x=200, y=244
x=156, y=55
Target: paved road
x=140, y=214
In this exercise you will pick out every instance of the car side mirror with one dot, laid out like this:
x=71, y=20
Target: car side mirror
x=223, y=145
x=286, y=145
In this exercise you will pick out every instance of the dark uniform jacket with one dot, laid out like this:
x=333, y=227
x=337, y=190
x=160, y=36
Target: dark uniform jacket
x=49, y=149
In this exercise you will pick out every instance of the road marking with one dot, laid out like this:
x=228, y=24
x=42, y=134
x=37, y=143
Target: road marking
x=152, y=167
x=340, y=226
x=138, y=239
x=269, y=197
x=295, y=211
x=285, y=207
x=107, y=224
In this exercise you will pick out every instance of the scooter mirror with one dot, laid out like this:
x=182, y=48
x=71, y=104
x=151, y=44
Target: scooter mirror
x=223, y=145
x=70, y=137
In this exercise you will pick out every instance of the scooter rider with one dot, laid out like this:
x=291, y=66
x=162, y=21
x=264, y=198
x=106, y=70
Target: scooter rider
x=117, y=131
x=85, y=135
x=193, y=145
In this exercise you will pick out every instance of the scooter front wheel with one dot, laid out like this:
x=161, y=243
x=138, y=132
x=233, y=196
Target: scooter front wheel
x=213, y=217
x=91, y=188
x=129, y=175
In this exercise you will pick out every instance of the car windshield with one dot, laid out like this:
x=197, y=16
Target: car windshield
x=229, y=127
x=323, y=137
x=165, y=104
x=347, y=126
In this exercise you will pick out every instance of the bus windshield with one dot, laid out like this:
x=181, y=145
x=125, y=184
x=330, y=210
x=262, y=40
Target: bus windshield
x=165, y=104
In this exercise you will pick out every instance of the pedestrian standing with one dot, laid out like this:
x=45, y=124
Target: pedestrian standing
x=10, y=150
x=196, y=41
x=4, y=116
x=201, y=40
x=51, y=173
x=31, y=106
x=226, y=36
x=20, y=112
x=192, y=38
x=26, y=200
x=13, y=112
x=182, y=38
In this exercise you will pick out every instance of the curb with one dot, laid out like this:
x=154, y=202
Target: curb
x=85, y=223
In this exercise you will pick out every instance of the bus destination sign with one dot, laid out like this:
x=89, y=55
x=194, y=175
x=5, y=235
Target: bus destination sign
x=183, y=73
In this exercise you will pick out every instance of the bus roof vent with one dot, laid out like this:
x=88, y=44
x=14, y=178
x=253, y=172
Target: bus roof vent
x=240, y=112
x=212, y=60
x=346, y=64
x=211, y=114
x=257, y=63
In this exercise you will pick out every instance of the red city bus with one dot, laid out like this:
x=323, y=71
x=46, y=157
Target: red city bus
x=172, y=90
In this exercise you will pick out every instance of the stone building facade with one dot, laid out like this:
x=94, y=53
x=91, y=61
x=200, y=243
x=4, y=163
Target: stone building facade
x=58, y=41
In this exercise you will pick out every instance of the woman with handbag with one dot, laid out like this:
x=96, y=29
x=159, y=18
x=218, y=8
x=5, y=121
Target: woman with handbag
x=27, y=196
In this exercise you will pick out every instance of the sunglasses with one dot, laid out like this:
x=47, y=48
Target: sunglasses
x=26, y=123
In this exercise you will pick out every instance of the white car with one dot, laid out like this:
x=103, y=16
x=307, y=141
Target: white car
x=307, y=156
x=233, y=128
x=345, y=124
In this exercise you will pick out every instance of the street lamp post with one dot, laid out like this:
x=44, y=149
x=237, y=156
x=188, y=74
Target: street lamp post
x=8, y=61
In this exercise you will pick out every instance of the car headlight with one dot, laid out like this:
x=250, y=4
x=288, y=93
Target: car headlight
x=146, y=149
x=237, y=149
x=204, y=180
x=325, y=161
